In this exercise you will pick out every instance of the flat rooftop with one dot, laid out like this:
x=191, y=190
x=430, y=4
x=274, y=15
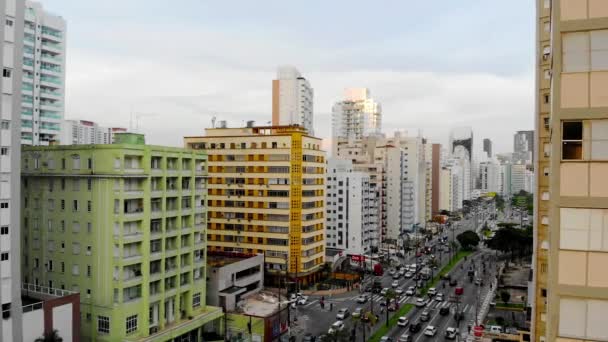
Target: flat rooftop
x=215, y=259
x=262, y=304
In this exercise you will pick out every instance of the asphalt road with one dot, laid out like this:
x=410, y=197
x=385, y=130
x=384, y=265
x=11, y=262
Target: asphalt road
x=312, y=319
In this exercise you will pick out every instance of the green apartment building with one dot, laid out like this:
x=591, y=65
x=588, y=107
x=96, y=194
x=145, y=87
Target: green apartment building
x=125, y=225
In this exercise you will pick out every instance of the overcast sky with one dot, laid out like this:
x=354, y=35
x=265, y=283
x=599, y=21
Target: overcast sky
x=432, y=64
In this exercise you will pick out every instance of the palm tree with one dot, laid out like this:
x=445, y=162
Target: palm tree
x=52, y=336
x=390, y=295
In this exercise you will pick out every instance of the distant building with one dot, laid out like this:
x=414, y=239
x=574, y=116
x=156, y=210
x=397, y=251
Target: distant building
x=487, y=147
x=81, y=132
x=436, y=178
x=233, y=276
x=357, y=116
x=489, y=175
x=292, y=100
x=523, y=147
x=461, y=147
x=43, y=88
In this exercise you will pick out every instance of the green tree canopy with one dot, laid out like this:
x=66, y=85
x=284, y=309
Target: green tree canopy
x=468, y=239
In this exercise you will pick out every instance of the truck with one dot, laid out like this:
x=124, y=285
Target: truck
x=378, y=270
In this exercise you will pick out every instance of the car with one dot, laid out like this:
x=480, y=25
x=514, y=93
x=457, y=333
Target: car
x=497, y=329
x=415, y=327
x=357, y=313
x=342, y=314
x=446, y=276
x=308, y=338
x=430, y=331
x=425, y=316
x=395, y=284
x=403, y=321
x=396, y=276
x=384, y=291
x=408, y=274
x=337, y=326
x=478, y=281
x=451, y=333
x=410, y=291
x=386, y=339
x=453, y=282
x=406, y=338
x=459, y=315
x=302, y=300
x=399, y=291
x=362, y=299
x=293, y=297
x=402, y=272
x=421, y=302
x=444, y=311
x=439, y=297
x=432, y=291
x=391, y=271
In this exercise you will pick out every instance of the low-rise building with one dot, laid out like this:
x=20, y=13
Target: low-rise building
x=233, y=276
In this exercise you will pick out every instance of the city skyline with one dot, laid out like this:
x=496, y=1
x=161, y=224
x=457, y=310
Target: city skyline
x=111, y=65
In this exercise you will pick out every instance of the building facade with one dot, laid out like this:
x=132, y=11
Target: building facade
x=43, y=89
x=12, y=17
x=523, y=147
x=436, y=178
x=266, y=195
x=124, y=225
x=82, y=132
x=357, y=116
x=571, y=282
x=351, y=220
x=489, y=175
x=487, y=147
x=292, y=100
x=233, y=277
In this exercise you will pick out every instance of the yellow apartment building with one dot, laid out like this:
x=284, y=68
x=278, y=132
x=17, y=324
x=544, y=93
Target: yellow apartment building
x=571, y=220
x=266, y=195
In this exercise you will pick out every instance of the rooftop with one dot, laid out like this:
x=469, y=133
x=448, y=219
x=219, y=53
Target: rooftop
x=261, y=304
x=221, y=259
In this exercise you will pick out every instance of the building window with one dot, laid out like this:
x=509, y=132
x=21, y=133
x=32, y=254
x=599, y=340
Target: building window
x=89, y=163
x=131, y=324
x=4, y=230
x=9, y=22
x=6, y=73
x=196, y=300
x=4, y=205
x=89, y=184
x=62, y=204
x=5, y=124
x=89, y=271
x=103, y=324
x=4, y=151
x=62, y=265
x=572, y=140
x=76, y=162
x=89, y=205
x=75, y=205
x=4, y=256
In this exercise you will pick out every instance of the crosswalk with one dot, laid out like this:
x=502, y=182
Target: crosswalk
x=377, y=298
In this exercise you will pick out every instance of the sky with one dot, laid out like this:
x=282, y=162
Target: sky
x=166, y=68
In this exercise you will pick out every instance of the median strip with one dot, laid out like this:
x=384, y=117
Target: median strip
x=383, y=330
x=445, y=270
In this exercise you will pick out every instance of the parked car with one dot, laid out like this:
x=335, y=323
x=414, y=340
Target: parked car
x=425, y=316
x=410, y=291
x=421, y=302
x=362, y=299
x=342, y=314
x=451, y=333
x=415, y=327
x=403, y=321
x=337, y=326
x=406, y=338
x=430, y=331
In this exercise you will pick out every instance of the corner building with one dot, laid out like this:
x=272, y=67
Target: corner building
x=571, y=164
x=124, y=225
x=266, y=195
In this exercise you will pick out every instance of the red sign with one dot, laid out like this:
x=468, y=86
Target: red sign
x=458, y=291
x=478, y=330
x=357, y=258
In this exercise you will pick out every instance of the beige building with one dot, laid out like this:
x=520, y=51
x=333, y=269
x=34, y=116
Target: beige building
x=571, y=219
x=266, y=195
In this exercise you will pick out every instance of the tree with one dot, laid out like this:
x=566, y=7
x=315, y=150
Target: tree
x=389, y=296
x=510, y=240
x=505, y=296
x=338, y=336
x=468, y=239
x=52, y=336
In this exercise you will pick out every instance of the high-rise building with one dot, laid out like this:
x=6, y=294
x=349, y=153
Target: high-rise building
x=43, y=89
x=357, y=116
x=489, y=175
x=461, y=147
x=351, y=219
x=523, y=147
x=505, y=179
x=266, y=195
x=570, y=226
x=11, y=31
x=487, y=147
x=428, y=197
x=292, y=99
x=124, y=225
x=81, y=132
x=436, y=178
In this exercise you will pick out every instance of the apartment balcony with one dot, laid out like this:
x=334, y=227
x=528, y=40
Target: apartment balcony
x=131, y=259
x=46, y=57
x=132, y=281
x=132, y=236
x=52, y=36
x=48, y=46
x=134, y=214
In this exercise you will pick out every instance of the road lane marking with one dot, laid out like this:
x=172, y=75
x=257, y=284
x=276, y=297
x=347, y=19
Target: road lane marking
x=311, y=303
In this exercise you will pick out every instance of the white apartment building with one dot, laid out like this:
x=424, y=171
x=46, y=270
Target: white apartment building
x=79, y=132
x=489, y=175
x=43, y=89
x=357, y=116
x=11, y=16
x=519, y=175
x=292, y=99
x=428, y=160
x=351, y=220
x=461, y=147
x=451, y=190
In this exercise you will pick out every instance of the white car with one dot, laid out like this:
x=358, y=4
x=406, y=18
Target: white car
x=421, y=302
x=408, y=274
x=432, y=291
x=399, y=291
x=403, y=321
x=410, y=291
x=302, y=300
x=395, y=284
x=391, y=271
x=439, y=297
x=342, y=314
x=451, y=333
x=337, y=326
x=430, y=331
